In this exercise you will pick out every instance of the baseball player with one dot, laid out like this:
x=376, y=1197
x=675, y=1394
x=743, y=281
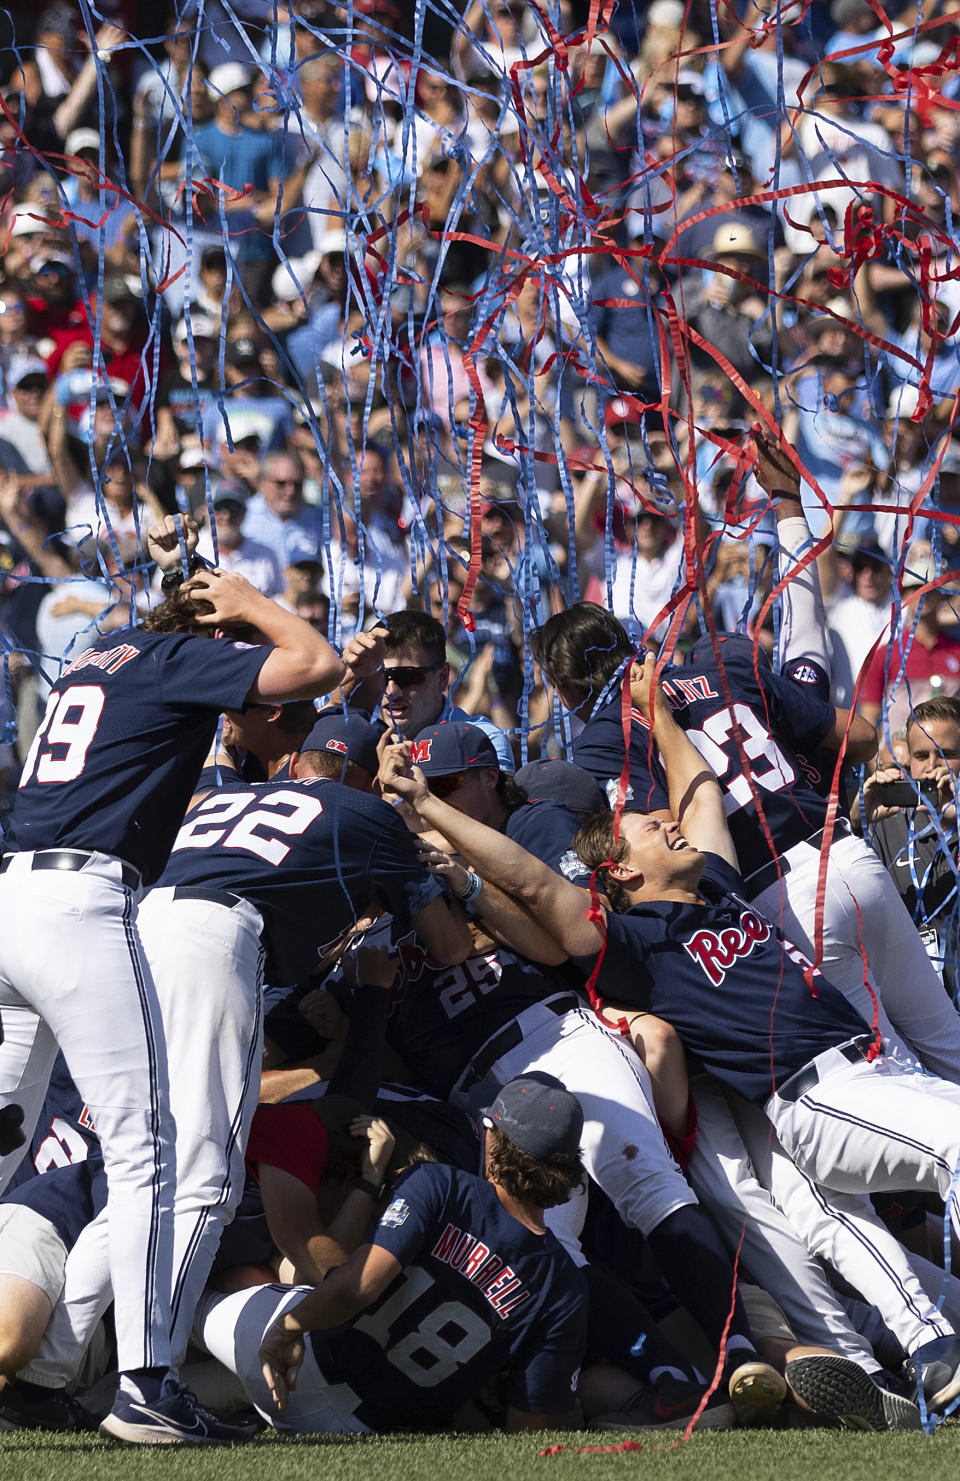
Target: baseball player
x=461, y=1279
x=681, y=940
x=56, y=1191
x=102, y=794
x=275, y=873
x=467, y=1030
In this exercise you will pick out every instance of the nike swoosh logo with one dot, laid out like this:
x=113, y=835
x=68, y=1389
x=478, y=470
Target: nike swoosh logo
x=173, y=1424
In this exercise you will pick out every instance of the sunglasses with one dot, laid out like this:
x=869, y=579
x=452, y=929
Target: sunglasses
x=405, y=675
x=445, y=786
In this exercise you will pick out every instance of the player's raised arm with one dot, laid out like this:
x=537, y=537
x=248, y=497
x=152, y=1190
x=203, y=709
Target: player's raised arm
x=696, y=800
x=302, y=663
x=553, y=901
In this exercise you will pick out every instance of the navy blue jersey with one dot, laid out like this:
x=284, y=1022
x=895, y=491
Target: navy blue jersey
x=779, y=721
x=311, y=855
x=443, y=1015
x=547, y=831
x=479, y=1293
x=599, y=749
x=62, y=1175
x=728, y=981
x=122, y=743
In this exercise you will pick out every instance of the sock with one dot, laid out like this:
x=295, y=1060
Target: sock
x=621, y=1330
x=694, y=1264
x=143, y=1384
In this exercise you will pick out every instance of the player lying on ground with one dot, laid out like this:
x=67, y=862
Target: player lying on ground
x=460, y=1280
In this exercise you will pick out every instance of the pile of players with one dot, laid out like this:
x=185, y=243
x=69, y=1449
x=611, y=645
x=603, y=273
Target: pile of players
x=672, y=967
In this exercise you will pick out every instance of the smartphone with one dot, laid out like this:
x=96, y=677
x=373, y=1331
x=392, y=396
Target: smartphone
x=904, y=794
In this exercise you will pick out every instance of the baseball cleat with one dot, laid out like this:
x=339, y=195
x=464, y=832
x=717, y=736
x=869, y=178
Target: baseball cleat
x=26, y=1406
x=936, y=1365
x=757, y=1391
x=176, y=1418
x=669, y=1406
x=839, y=1389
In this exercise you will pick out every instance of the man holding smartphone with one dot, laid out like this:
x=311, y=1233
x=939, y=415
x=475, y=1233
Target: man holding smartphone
x=914, y=830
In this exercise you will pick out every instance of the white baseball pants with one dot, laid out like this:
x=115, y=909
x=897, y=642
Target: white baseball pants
x=232, y=1328
x=862, y=909
x=73, y=975
x=206, y=960
x=622, y=1146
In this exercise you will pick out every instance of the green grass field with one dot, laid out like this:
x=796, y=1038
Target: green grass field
x=788, y=1455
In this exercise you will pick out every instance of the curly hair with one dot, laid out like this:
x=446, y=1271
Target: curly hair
x=597, y=847
x=522, y=1176
x=178, y=613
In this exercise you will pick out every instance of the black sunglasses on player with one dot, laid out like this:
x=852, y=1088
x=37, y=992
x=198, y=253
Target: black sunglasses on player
x=405, y=675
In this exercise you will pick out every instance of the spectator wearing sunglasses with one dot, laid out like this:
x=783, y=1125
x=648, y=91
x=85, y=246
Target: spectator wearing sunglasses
x=416, y=677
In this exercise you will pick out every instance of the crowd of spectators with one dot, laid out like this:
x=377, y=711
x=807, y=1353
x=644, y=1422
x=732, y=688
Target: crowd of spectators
x=344, y=296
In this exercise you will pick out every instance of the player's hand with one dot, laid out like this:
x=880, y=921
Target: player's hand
x=442, y=863
x=642, y=672
x=281, y=1357
x=323, y=1013
x=233, y=598
x=163, y=541
x=371, y=965
x=400, y=778
x=774, y=471
x=363, y=655
x=379, y=1148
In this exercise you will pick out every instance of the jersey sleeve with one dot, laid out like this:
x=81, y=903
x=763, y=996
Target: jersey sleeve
x=291, y=1138
x=208, y=673
x=543, y=1379
x=805, y=717
x=399, y=881
x=623, y=975
x=546, y=831
x=412, y=1213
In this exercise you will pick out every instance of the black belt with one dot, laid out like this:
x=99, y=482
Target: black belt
x=797, y=1085
x=506, y=1039
x=200, y=892
x=71, y=859
x=768, y=874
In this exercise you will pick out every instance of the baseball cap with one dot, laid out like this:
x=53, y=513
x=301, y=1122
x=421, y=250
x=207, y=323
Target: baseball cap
x=246, y=423
x=202, y=326
x=735, y=238
x=919, y=567
x=28, y=226
x=453, y=746
x=230, y=76
x=350, y=737
x=79, y=139
x=539, y=1116
x=333, y=242
x=22, y=368
x=225, y=500
x=619, y=410
x=563, y=783
x=869, y=554
x=117, y=289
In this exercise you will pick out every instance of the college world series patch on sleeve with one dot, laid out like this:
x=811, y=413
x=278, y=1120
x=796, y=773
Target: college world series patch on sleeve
x=396, y=1214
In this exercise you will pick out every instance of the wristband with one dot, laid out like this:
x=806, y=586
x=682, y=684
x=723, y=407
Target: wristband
x=472, y=888
x=375, y=1190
